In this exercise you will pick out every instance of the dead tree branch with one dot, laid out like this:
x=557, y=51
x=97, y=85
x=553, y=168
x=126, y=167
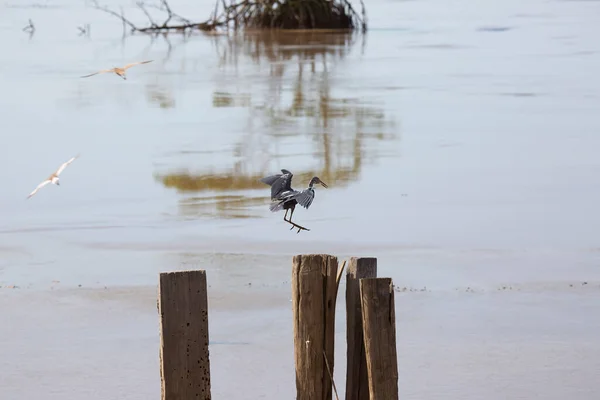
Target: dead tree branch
x=284, y=14
x=30, y=27
x=164, y=6
x=111, y=12
x=142, y=7
x=154, y=27
x=84, y=30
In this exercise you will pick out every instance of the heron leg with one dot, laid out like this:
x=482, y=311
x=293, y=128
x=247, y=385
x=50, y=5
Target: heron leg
x=286, y=213
x=299, y=227
x=294, y=225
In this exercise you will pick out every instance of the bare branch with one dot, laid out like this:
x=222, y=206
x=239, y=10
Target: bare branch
x=173, y=15
x=84, y=30
x=141, y=5
x=30, y=27
x=254, y=14
x=111, y=12
x=364, y=16
x=208, y=25
x=169, y=12
x=214, y=17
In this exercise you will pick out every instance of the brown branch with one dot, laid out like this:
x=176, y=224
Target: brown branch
x=253, y=14
x=355, y=14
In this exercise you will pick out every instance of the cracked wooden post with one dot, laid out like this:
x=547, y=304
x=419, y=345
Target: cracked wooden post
x=314, y=291
x=379, y=330
x=184, y=361
x=357, y=384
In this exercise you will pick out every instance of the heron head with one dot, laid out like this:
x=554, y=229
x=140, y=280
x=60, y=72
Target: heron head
x=317, y=180
x=55, y=180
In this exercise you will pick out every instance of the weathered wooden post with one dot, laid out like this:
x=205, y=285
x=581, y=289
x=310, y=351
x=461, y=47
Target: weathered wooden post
x=379, y=329
x=357, y=384
x=314, y=291
x=184, y=361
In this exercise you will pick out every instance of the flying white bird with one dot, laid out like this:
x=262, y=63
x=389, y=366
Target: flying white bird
x=54, y=177
x=118, y=70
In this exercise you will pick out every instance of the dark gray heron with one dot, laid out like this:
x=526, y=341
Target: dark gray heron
x=286, y=198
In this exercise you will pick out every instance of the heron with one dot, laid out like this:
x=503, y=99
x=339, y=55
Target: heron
x=286, y=198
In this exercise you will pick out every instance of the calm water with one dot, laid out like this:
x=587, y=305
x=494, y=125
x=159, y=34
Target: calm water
x=459, y=142
x=464, y=132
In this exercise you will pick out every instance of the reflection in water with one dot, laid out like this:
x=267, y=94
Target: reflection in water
x=223, y=99
x=224, y=206
x=293, y=109
x=160, y=96
x=156, y=92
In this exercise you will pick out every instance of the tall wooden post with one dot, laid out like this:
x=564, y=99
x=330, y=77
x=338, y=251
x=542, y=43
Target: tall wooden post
x=184, y=361
x=379, y=329
x=314, y=291
x=357, y=384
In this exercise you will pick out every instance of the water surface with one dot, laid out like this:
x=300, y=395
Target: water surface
x=459, y=142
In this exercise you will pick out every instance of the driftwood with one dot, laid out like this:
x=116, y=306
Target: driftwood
x=30, y=28
x=84, y=30
x=254, y=14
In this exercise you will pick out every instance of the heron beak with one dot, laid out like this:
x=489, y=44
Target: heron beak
x=323, y=183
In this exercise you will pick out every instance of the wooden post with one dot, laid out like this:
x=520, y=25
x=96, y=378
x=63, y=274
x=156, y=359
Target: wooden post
x=184, y=361
x=379, y=329
x=314, y=290
x=357, y=384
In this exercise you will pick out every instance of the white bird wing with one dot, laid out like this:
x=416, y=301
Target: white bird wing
x=41, y=185
x=136, y=63
x=99, y=72
x=62, y=167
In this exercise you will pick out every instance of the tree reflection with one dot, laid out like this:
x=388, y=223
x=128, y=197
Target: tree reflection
x=160, y=96
x=293, y=108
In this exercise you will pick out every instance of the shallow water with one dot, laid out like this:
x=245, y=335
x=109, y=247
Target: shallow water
x=458, y=141
x=446, y=128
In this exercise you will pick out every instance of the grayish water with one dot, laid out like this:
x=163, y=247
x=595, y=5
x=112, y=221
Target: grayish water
x=459, y=142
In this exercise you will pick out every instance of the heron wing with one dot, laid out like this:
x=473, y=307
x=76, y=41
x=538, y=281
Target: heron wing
x=283, y=198
x=270, y=180
x=305, y=197
x=41, y=185
x=136, y=63
x=279, y=183
x=65, y=165
x=99, y=72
